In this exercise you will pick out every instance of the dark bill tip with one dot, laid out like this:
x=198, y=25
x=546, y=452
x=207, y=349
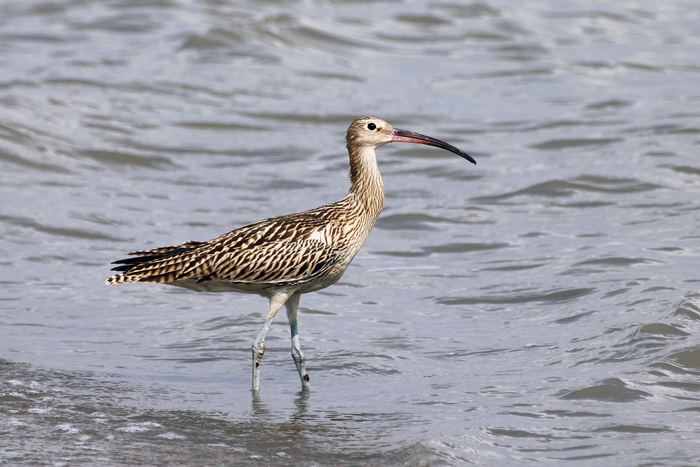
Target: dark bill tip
x=411, y=137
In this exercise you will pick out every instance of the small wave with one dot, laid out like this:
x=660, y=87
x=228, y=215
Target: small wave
x=609, y=390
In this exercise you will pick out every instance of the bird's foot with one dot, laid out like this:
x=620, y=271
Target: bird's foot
x=299, y=361
x=258, y=352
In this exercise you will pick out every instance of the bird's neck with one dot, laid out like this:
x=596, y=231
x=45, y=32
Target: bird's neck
x=365, y=181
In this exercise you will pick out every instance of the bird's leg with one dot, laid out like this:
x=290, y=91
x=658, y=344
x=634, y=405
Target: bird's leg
x=258, y=351
x=298, y=356
x=276, y=303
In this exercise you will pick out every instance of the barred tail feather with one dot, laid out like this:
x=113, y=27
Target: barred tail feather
x=147, y=266
x=121, y=279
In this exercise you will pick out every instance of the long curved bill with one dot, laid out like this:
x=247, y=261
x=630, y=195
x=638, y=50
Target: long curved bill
x=411, y=137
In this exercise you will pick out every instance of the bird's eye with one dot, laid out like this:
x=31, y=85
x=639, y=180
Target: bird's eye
x=371, y=126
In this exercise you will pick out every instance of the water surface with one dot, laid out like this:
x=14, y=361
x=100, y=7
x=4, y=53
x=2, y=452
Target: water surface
x=541, y=307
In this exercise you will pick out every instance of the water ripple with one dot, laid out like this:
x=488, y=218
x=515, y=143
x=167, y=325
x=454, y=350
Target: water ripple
x=548, y=298
x=609, y=390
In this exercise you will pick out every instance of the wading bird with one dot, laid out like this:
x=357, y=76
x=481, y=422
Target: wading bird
x=283, y=257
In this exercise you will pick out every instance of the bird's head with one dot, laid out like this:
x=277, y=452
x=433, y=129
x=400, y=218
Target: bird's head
x=369, y=131
x=375, y=132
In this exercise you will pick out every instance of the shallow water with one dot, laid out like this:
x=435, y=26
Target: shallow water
x=539, y=307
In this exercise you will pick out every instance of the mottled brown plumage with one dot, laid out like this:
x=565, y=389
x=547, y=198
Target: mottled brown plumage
x=283, y=257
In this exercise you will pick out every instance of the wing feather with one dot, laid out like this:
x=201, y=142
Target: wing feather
x=272, y=251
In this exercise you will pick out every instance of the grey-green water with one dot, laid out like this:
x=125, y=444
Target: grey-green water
x=540, y=308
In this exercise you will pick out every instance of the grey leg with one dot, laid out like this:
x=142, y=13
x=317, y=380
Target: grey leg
x=298, y=356
x=276, y=303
